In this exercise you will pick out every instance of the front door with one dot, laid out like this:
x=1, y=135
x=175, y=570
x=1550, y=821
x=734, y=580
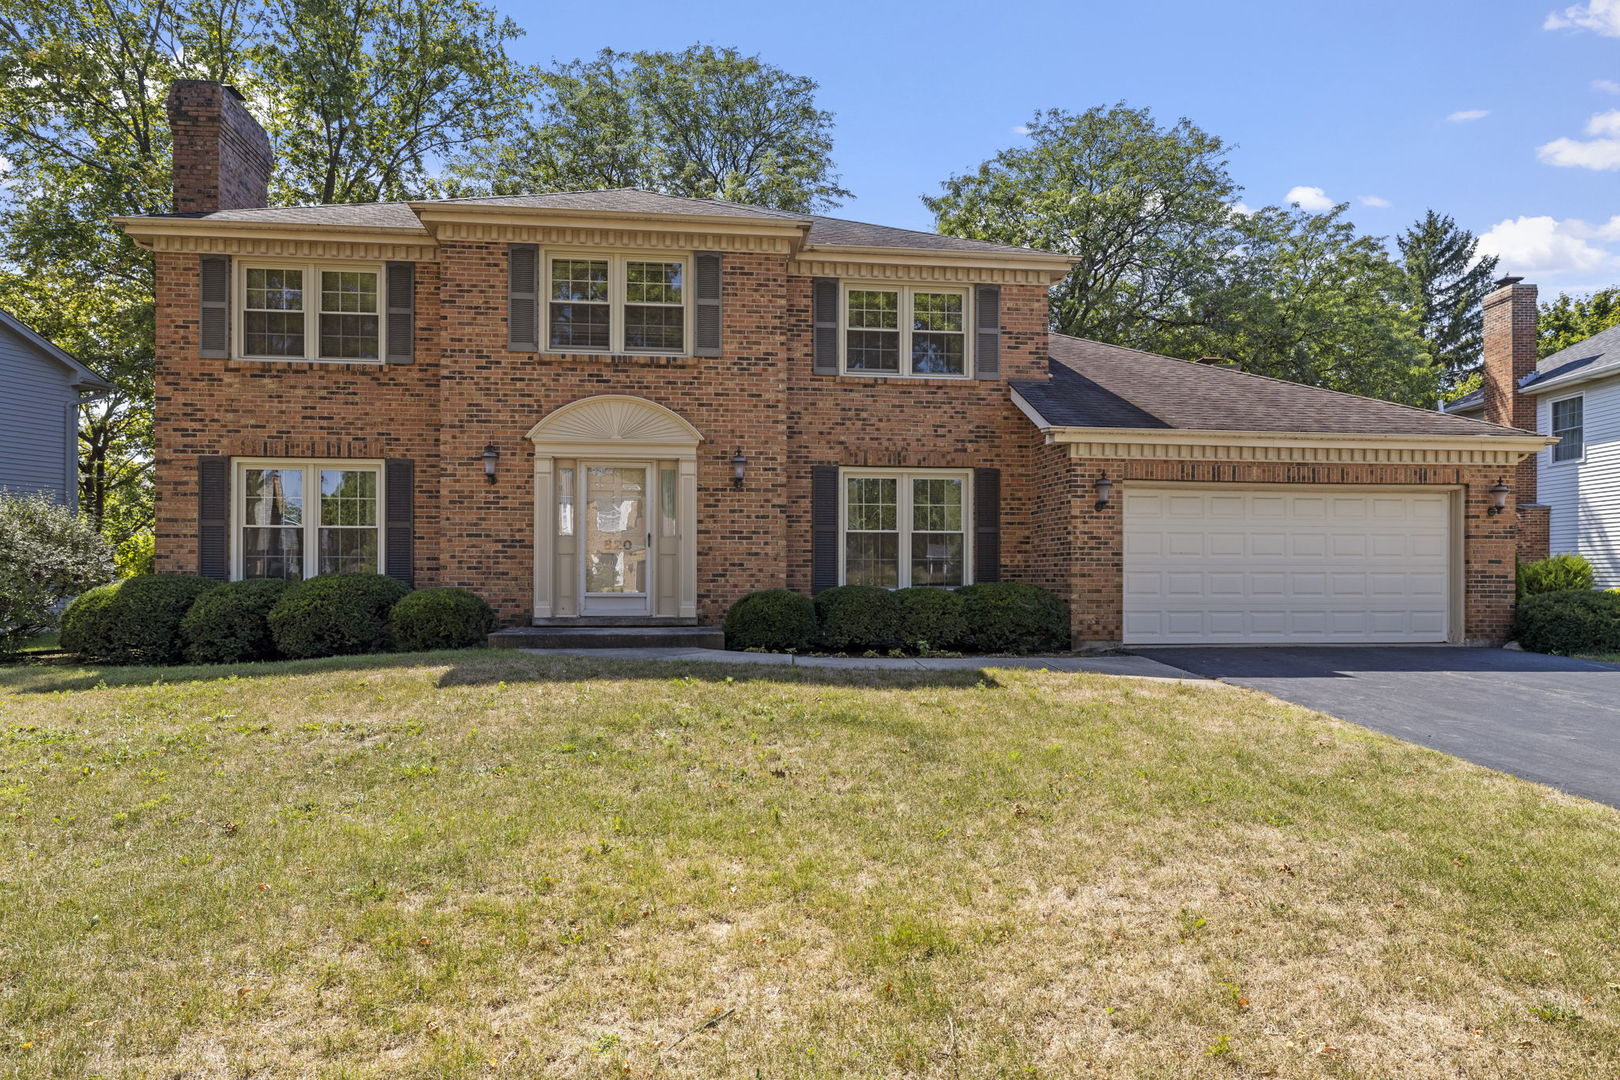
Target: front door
x=614, y=564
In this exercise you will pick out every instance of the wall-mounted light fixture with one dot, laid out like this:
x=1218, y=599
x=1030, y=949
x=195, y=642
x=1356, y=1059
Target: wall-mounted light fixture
x=1499, y=494
x=1105, y=491
x=739, y=468
x=492, y=454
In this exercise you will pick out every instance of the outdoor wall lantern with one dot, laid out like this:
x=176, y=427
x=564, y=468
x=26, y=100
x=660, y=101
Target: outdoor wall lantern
x=1499, y=494
x=1105, y=489
x=739, y=467
x=492, y=454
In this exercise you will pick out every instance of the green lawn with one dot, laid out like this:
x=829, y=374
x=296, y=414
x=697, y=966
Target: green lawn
x=490, y=864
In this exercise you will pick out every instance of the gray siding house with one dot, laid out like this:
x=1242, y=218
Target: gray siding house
x=40, y=390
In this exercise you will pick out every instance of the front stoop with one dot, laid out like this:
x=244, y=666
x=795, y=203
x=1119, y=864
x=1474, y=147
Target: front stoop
x=608, y=637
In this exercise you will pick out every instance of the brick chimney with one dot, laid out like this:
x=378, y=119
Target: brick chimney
x=221, y=154
x=1510, y=355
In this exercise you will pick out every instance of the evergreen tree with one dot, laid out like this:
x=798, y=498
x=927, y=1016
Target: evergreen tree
x=1448, y=283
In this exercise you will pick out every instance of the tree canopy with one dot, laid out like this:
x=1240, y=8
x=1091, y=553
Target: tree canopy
x=1569, y=320
x=1449, y=281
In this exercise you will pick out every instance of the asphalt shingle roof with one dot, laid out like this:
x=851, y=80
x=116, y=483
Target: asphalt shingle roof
x=1098, y=385
x=824, y=231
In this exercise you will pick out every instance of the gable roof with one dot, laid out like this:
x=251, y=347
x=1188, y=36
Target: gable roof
x=1106, y=386
x=1594, y=358
x=84, y=378
x=821, y=231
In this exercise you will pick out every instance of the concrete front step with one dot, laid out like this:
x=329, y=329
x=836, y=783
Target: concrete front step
x=608, y=637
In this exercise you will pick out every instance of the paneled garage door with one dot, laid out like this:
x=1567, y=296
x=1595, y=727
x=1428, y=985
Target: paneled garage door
x=1213, y=565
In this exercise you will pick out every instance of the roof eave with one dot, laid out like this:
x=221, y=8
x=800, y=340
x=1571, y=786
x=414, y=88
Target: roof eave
x=438, y=211
x=87, y=380
x=1524, y=441
x=1575, y=379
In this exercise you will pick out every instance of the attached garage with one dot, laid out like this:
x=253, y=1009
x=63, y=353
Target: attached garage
x=1224, y=565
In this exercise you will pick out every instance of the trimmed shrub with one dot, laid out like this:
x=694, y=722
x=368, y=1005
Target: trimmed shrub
x=860, y=618
x=1012, y=617
x=932, y=618
x=776, y=620
x=440, y=619
x=82, y=621
x=334, y=615
x=231, y=624
x=137, y=621
x=1574, y=621
x=47, y=554
x=1559, y=573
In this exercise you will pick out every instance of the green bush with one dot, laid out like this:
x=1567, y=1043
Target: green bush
x=776, y=620
x=335, y=615
x=1012, y=617
x=231, y=624
x=136, y=621
x=47, y=554
x=136, y=554
x=440, y=619
x=859, y=618
x=932, y=618
x=1560, y=573
x=1574, y=621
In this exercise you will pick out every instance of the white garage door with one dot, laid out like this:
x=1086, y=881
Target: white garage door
x=1208, y=565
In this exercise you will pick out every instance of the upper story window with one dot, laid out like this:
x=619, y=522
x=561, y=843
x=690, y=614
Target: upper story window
x=296, y=519
x=904, y=330
x=1568, y=424
x=310, y=311
x=616, y=304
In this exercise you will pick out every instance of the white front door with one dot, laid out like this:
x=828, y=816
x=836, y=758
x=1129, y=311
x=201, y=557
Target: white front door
x=1207, y=565
x=615, y=566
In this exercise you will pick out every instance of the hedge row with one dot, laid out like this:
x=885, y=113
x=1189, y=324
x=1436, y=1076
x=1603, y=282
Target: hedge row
x=170, y=618
x=998, y=617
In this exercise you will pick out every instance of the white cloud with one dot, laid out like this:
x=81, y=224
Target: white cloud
x=1022, y=129
x=1598, y=16
x=1308, y=198
x=1374, y=200
x=1241, y=209
x=1602, y=151
x=1462, y=116
x=1546, y=246
x=1606, y=86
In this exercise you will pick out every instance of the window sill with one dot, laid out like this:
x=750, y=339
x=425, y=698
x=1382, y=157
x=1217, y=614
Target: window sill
x=614, y=359
x=870, y=379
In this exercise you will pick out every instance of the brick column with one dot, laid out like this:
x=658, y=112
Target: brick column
x=1510, y=355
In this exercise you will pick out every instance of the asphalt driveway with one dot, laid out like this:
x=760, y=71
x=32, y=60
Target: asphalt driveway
x=1546, y=718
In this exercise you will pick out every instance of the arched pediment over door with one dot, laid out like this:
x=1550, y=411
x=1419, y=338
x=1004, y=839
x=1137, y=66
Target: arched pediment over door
x=598, y=432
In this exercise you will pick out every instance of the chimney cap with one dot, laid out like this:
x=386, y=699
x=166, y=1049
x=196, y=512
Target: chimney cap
x=1508, y=279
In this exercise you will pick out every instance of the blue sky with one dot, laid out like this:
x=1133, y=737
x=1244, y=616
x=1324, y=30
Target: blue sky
x=1503, y=113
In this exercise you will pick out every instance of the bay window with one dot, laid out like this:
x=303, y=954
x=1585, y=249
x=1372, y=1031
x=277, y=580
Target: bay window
x=298, y=519
x=616, y=303
x=310, y=311
x=905, y=330
x=905, y=528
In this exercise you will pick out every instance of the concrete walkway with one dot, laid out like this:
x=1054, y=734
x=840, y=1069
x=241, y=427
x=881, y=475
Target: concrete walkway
x=1137, y=666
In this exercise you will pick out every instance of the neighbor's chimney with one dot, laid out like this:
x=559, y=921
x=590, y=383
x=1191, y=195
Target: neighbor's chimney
x=221, y=154
x=1510, y=355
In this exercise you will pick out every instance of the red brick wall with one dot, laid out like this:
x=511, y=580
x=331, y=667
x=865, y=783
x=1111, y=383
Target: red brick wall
x=1096, y=595
x=1510, y=317
x=221, y=154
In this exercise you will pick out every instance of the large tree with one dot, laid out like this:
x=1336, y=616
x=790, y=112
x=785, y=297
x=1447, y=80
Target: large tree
x=357, y=94
x=705, y=123
x=1569, y=320
x=1449, y=280
x=1146, y=209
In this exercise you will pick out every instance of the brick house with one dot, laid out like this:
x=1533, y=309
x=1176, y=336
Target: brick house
x=621, y=406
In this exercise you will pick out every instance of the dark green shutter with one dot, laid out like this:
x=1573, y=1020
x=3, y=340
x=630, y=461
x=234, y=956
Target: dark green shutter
x=214, y=517
x=401, y=312
x=214, y=315
x=824, y=328
x=399, y=502
x=987, y=332
x=706, y=317
x=523, y=297
x=823, y=527
x=986, y=524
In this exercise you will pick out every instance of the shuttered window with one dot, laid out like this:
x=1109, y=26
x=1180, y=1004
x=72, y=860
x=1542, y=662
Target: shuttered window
x=905, y=528
x=297, y=519
x=618, y=304
x=318, y=312
x=905, y=331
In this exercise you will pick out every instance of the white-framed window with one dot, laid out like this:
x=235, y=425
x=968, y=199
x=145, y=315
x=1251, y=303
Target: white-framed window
x=904, y=330
x=297, y=519
x=1568, y=424
x=616, y=303
x=309, y=311
x=903, y=528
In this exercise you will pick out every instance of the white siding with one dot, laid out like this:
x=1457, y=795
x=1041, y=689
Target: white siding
x=36, y=450
x=1584, y=496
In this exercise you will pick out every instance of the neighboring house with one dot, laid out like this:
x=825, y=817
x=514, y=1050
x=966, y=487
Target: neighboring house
x=39, y=413
x=1573, y=396
x=619, y=406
